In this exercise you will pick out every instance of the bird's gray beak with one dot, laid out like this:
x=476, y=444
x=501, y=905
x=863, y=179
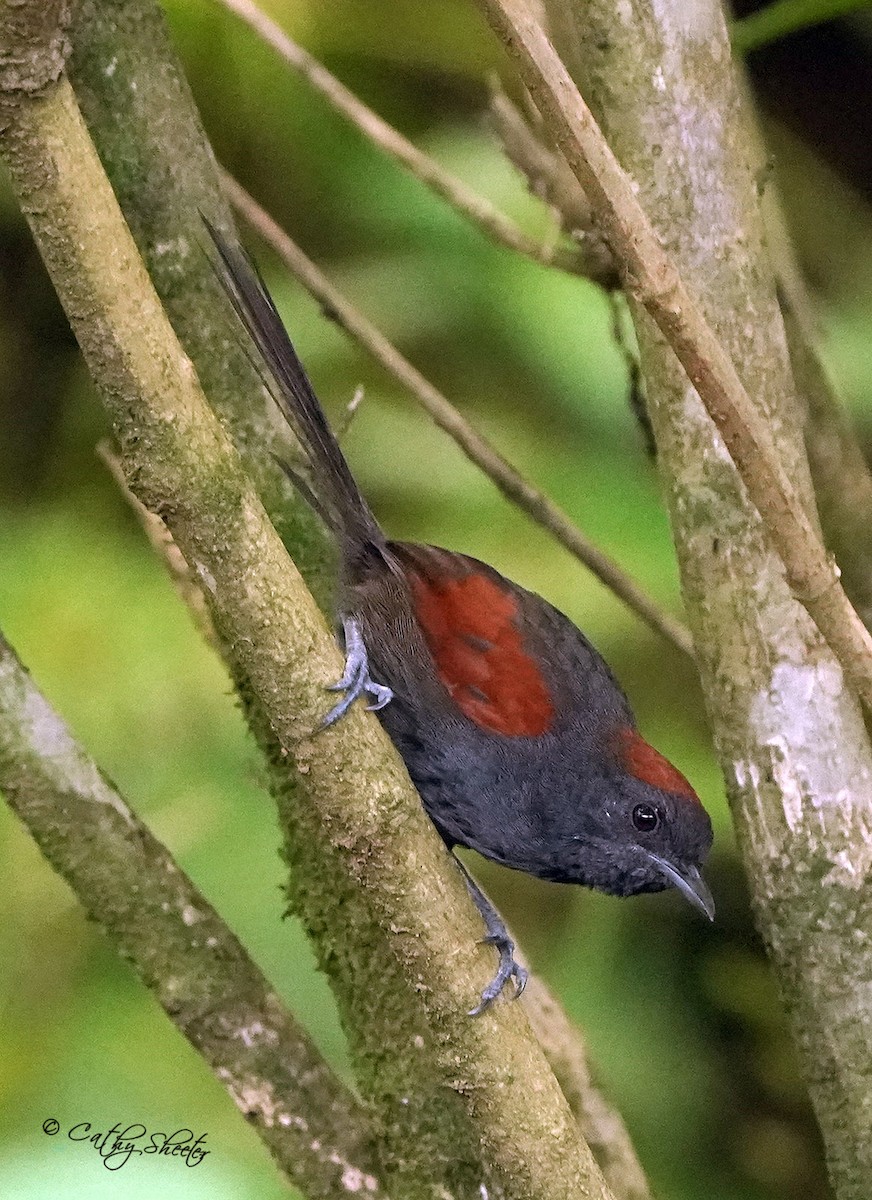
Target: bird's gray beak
x=690, y=883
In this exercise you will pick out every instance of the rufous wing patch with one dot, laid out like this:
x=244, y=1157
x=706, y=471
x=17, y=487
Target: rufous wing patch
x=645, y=763
x=469, y=626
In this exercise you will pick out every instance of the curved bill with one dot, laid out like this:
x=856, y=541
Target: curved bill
x=689, y=882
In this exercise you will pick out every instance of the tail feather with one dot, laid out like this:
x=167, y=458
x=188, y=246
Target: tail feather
x=334, y=495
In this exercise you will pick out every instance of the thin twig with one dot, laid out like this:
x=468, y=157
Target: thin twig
x=780, y=18
x=478, y=449
x=842, y=483
x=601, y=1124
x=839, y=471
x=550, y=180
x=652, y=278
x=477, y=209
x=350, y=412
x=635, y=382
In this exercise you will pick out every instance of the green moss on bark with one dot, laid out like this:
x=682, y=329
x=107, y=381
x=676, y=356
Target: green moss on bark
x=787, y=728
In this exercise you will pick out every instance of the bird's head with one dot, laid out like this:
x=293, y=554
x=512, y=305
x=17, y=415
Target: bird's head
x=644, y=828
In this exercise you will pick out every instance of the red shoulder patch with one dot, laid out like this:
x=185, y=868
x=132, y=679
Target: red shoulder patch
x=645, y=763
x=468, y=624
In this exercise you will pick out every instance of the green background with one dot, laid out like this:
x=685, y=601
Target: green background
x=683, y=1019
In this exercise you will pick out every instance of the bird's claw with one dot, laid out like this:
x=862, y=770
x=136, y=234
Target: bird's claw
x=355, y=680
x=506, y=971
x=383, y=696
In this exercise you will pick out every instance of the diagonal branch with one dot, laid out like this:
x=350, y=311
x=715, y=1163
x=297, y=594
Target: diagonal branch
x=179, y=947
x=142, y=118
x=564, y=1047
x=390, y=917
x=652, y=278
x=513, y=485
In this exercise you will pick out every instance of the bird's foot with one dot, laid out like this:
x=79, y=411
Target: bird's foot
x=497, y=935
x=356, y=679
x=508, y=969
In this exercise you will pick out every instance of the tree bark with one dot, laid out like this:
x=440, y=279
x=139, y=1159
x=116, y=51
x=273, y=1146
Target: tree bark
x=316, y=1130
x=147, y=130
x=787, y=729
x=460, y=1105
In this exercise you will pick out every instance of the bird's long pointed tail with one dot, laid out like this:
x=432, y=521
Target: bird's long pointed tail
x=333, y=491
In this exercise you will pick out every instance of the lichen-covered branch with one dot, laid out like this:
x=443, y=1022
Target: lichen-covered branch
x=145, y=125
x=180, y=948
x=788, y=732
x=460, y=1104
x=650, y=275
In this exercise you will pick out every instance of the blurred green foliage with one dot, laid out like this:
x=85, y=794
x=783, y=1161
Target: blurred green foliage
x=683, y=1019
x=781, y=17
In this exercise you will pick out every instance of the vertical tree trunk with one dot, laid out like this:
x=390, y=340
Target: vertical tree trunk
x=788, y=731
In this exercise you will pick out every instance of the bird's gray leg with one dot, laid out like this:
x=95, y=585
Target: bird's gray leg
x=497, y=935
x=355, y=680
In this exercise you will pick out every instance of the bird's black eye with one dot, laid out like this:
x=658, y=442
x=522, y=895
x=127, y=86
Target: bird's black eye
x=646, y=817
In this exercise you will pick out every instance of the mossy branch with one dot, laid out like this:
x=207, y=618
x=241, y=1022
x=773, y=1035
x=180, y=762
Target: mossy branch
x=789, y=735
x=180, y=948
x=142, y=118
x=461, y=1104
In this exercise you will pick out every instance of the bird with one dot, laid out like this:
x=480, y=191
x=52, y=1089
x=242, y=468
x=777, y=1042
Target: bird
x=513, y=728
